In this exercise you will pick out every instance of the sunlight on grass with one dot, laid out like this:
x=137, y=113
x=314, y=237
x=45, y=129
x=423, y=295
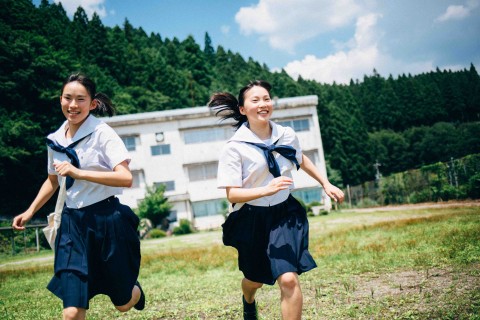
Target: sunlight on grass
x=407, y=265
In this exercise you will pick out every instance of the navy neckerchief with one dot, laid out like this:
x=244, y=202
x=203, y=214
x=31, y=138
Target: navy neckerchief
x=286, y=151
x=71, y=154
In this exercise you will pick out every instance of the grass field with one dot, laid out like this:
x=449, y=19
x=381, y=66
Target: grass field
x=401, y=264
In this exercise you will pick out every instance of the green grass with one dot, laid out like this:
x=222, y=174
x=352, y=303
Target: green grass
x=410, y=264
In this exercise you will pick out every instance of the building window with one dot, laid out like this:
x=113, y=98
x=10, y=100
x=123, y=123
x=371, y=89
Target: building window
x=138, y=178
x=207, y=135
x=208, y=208
x=131, y=142
x=312, y=155
x=169, y=185
x=201, y=172
x=297, y=125
x=309, y=195
x=160, y=149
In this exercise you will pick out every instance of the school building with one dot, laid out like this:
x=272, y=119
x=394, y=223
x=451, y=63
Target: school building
x=180, y=148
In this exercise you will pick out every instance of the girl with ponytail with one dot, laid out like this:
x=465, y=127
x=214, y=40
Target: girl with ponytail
x=97, y=249
x=267, y=226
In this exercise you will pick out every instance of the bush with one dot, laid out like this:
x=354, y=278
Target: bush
x=157, y=233
x=473, y=186
x=420, y=196
x=183, y=228
x=366, y=203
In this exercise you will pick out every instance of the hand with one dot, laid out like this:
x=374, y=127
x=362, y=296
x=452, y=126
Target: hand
x=65, y=168
x=277, y=184
x=335, y=193
x=21, y=220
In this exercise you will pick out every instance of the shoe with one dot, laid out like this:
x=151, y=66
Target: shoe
x=249, y=310
x=141, y=302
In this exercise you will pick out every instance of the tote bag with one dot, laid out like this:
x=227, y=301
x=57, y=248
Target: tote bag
x=54, y=218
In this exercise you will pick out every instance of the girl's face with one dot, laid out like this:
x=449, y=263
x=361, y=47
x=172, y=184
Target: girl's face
x=76, y=103
x=257, y=106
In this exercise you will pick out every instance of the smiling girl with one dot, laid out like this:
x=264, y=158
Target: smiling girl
x=97, y=249
x=267, y=226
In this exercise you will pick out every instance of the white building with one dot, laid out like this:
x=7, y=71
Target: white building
x=180, y=148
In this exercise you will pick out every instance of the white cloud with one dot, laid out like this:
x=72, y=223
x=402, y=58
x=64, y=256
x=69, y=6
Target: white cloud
x=360, y=56
x=284, y=24
x=90, y=6
x=458, y=12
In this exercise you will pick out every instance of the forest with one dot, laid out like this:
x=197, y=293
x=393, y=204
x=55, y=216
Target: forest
x=402, y=122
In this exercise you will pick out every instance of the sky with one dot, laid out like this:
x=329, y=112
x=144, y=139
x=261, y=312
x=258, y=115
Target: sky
x=323, y=40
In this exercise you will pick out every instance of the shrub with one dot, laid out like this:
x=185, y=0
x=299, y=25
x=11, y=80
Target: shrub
x=183, y=228
x=473, y=186
x=157, y=233
x=366, y=203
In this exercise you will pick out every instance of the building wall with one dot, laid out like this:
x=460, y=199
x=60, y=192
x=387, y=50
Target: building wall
x=192, y=166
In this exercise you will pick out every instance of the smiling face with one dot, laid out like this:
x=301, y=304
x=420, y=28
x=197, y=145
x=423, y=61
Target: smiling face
x=257, y=106
x=76, y=104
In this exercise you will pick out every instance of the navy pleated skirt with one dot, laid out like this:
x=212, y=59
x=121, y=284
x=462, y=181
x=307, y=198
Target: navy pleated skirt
x=270, y=240
x=97, y=251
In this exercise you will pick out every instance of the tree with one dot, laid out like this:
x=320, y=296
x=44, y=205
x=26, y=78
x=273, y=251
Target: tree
x=155, y=205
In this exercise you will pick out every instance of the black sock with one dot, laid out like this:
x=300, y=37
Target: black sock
x=248, y=306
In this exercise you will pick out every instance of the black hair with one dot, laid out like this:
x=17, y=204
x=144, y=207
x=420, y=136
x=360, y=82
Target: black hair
x=227, y=106
x=104, y=104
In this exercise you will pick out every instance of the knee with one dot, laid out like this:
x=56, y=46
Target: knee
x=288, y=281
x=251, y=284
x=73, y=313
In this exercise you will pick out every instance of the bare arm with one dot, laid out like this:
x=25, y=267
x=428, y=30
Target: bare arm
x=236, y=195
x=119, y=177
x=46, y=191
x=332, y=191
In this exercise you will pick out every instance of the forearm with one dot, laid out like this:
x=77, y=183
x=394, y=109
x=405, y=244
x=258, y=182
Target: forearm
x=46, y=191
x=107, y=178
x=119, y=177
x=241, y=195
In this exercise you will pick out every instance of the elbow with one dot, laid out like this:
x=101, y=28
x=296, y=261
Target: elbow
x=128, y=183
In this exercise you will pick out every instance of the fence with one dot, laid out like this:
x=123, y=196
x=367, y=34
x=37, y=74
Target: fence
x=455, y=179
x=30, y=239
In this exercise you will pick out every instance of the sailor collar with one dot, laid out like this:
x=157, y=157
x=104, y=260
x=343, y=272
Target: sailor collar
x=244, y=134
x=89, y=126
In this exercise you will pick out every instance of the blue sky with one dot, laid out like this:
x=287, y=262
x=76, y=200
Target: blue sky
x=324, y=40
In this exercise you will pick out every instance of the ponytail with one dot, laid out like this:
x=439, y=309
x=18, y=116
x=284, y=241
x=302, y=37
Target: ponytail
x=226, y=106
x=104, y=105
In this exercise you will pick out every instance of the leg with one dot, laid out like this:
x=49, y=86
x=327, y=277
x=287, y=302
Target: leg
x=133, y=301
x=249, y=288
x=74, y=313
x=291, y=296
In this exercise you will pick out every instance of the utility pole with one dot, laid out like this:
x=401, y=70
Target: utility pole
x=378, y=175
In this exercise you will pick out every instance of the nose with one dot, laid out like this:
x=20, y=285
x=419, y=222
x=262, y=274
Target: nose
x=73, y=103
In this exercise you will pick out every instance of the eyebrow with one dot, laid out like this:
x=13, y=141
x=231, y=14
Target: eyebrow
x=78, y=96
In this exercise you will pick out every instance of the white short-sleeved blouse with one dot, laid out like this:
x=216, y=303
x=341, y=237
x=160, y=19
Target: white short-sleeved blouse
x=102, y=150
x=244, y=165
